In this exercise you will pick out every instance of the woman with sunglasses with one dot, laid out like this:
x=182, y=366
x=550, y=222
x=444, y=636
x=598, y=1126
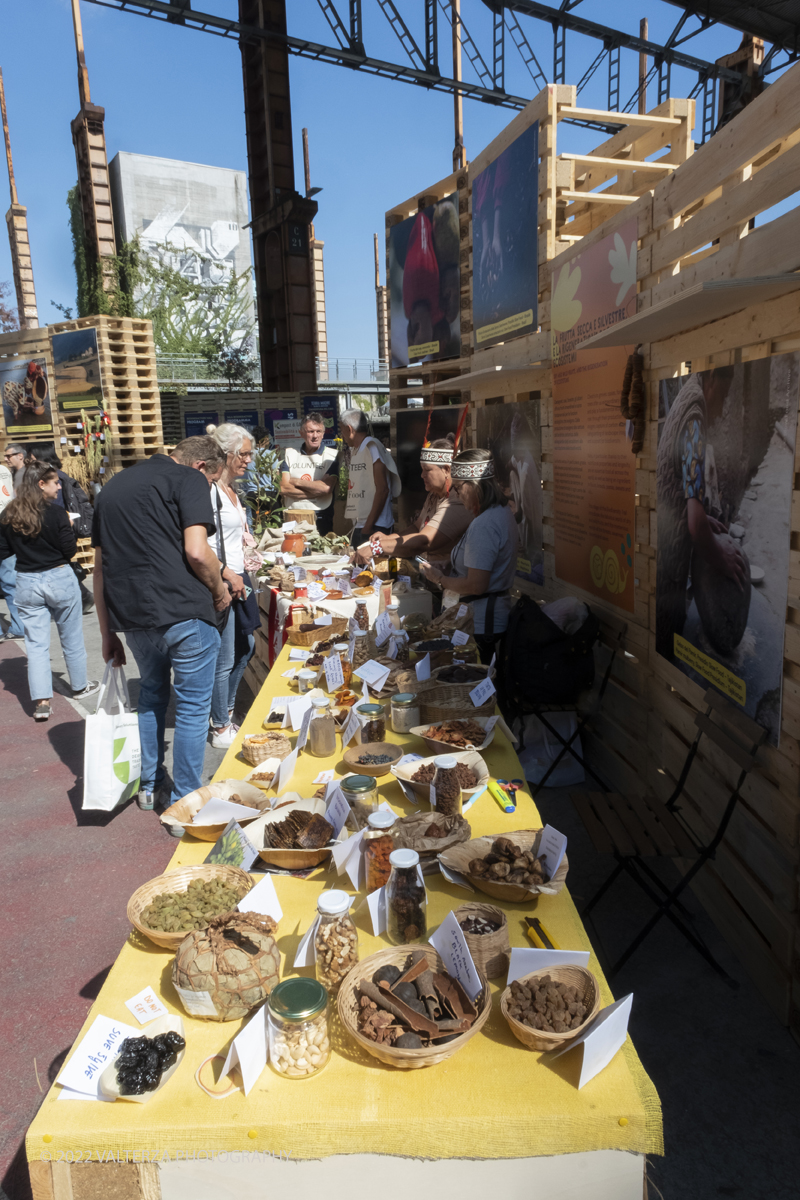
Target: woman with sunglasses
x=484, y=561
x=41, y=536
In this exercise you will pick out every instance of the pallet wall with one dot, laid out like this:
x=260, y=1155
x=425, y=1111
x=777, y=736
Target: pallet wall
x=701, y=215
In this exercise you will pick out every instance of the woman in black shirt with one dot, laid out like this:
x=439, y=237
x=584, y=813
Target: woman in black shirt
x=40, y=534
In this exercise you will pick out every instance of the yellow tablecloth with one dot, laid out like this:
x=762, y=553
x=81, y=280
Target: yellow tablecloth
x=494, y=1099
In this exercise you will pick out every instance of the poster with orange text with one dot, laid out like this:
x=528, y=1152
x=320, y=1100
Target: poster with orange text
x=593, y=467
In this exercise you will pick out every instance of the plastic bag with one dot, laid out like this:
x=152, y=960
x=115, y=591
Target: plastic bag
x=112, y=756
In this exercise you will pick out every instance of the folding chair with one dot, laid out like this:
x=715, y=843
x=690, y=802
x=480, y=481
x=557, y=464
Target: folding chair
x=634, y=828
x=612, y=636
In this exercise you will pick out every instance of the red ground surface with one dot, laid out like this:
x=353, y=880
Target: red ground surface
x=67, y=876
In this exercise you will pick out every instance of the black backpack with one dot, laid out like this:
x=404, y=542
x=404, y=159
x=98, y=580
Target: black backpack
x=539, y=664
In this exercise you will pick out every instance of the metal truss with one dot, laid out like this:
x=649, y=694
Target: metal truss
x=421, y=66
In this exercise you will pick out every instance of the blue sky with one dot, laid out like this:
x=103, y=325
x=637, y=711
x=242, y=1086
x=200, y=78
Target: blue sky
x=177, y=93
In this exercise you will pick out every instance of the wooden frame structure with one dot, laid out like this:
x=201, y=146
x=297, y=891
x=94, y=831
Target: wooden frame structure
x=697, y=215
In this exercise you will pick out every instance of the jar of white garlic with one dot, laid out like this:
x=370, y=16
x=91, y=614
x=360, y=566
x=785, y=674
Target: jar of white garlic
x=299, y=1043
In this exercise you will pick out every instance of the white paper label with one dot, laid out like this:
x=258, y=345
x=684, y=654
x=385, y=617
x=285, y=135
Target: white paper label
x=296, y=711
x=449, y=940
x=337, y=811
x=287, y=526
x=462, y=611
x=316, y=591
x=491, y=664
x=334, y=675
x=377, y=587
x=350, y=729
x=481, y=693
x=197, y=1004
x=96, y=1050
x=249, y=1050
x=603, y=1038
x=146, y=1006
x=306, y=954
x=262, y=899
x=376, y=903
x=323, y=777
x=290, y=674
x=373, y=673
x=404, y=579
x=552, y=848
x=297, y=654
x=423, y=669
x=346, y=589
x=459, y=638
x=383, y=627
x=302, y=736
x=327, y=619
x=525, y=960
x=353, y=625
x=219, y=812
x=285, y=772
x=455, y=877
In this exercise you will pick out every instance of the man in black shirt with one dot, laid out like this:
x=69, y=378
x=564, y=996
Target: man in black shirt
x=157, y=580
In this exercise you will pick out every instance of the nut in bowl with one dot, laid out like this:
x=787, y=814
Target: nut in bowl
x=546, y=1009
x=484, y=861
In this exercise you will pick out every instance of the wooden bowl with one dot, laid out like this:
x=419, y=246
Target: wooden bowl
x=458, y=858
x=178, y=881
x=184, y=811
x=539, y=1039
x=293, y=860
x=375, y=770
x=436, y=747
x=347, y=1004
x=469, y=757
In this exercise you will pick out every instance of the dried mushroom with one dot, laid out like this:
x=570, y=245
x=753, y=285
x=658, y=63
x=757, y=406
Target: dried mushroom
x=507, y=863
x=546, y=1005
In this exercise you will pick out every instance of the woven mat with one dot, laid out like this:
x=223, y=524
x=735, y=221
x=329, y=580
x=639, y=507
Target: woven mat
x=494, y=1099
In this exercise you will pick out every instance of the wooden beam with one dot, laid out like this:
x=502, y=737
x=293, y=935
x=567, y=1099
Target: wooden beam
x=598, y=197
x=623, y=164
x=645, y=120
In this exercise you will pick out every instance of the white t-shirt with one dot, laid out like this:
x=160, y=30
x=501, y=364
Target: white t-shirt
x=234, y=526
x=385, y=517
x=310, y=468
x=6, y=487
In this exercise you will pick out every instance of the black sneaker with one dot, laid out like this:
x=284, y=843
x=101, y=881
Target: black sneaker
x=91, y=689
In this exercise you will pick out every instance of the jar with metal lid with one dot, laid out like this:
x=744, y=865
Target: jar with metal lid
x=306, y=679
x=393, y=613
x=343, y=650
x=406, y=900
x=321, y=729
x=360, y=648
x=361, y=793
x=336, y=939
x=405, y=712
x=297, y=1022
x=378, y=842
x=372, y=722
x=361, y=615
x=446, y=787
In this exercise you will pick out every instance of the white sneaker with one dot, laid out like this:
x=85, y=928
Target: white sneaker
x=222, y=738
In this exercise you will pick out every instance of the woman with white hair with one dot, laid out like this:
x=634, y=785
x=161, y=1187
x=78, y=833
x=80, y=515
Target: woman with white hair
x=228, y=542
x=374, y=480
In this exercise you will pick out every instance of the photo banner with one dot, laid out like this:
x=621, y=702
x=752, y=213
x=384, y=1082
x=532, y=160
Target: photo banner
x=725, y=475
x=594, y=471
x=505, y=243
x=25, y=388
x=513, y=434
x=76, y=366
x=425, y=284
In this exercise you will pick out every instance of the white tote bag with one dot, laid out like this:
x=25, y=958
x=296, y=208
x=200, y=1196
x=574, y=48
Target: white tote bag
x=112, y=756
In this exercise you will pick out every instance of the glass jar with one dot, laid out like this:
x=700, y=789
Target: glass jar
x=321, y=729
x=360, y=648
x=336, y=940
x=445, y=787
x=378, y=841
x=343, y=650
x=406, y=900
x=372, y=722
x=297, y=1011
x=393, y=613
x=300, y=590
x=405, y=712
x=306, y=680
x=361, y=793
x=362, y=615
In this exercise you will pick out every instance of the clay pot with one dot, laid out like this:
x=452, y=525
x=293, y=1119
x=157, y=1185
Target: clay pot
x=723, y=608
x=293, y=543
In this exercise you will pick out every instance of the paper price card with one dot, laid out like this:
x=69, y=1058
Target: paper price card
x=146, y=1006
x=287, y=526
x=406, y=788
x=323, y=777
x=376, y=903
x=249, y=1050
x=552, y=848
x=346, y=589
x=349, y=856
x=383, y=627
x=350, y=729
x=449, y=940
x=462, y=611
x=299, y=655
x=296, y=711
x=95, y=1051
x=373, y=673
x=285, y=772
x=338, y=810
x=376, y=587
x=316, y=591
x=262, y=899
x=423, y=668
x=404, y=579
x=334, y=675
x=327, y=619
x=480, y=694
x=302, y=736
x=525, y=961
x=353, y=625
x=601, y=1041
x=459, y=638
x=306, y=954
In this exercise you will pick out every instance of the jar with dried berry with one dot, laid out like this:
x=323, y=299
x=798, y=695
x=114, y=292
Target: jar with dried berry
x=378, y=841
x=336, y=939
x=343, y=650
x=372, y=722
x=446, y=787
x=406, y=900
x=361, y=615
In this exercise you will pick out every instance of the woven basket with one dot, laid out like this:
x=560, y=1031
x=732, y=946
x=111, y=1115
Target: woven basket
x=276, y=745
x=459, y=857
x=538, y=1039
x=491, y=952
x=461, y=690
x=178, y=881
x=440, y=704
x=321, y=634
x=439, y=658
x=409, y=1059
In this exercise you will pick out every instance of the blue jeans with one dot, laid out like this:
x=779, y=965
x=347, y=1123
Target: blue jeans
x=189, y=649
x=40, y=596
x=229, y=671
x=8, y=586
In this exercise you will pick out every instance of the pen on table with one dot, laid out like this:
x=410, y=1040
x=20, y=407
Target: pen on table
x=472, y=799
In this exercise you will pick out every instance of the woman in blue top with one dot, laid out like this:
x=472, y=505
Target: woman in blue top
x=484, y=562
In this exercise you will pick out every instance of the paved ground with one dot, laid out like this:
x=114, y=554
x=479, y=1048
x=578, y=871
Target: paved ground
x=725, y=1069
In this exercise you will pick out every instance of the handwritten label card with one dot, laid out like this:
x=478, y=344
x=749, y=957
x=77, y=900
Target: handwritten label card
x=262, y=899
x=302, y=736
x=552, y=848
x=95, y=1051
x=334, y=675
x=373, y=673
x=351, y=728
x=383, y=627
x=338, y=810
x=349, y=856
x=480, y=694
x=449, y=940
x=299, y=655
x=462, y=611
x=525, y=960
x=285, y=772
x=146, y=1006
x=249, y=1050
x=288, y=526
x=316, y=591
x=323, y=777
x=345, y=587
x=296, y=710
x=423, y=668
x=601, y=1041
x=376, y=587
x=459, y=638
x=326, y=619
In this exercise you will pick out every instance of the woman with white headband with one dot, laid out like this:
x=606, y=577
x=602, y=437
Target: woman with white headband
x=484, y=561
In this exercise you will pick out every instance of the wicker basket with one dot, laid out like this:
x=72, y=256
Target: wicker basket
x=538, y=1039
x=441, y=704
x=178, y=881
x=275, y=746
x=409, y=1059
x=459, y=857
x=439, y=658
x=491, y=952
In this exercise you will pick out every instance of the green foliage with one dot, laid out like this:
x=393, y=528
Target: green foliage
x=235, y=364
x=266, y=502
x=8, y=316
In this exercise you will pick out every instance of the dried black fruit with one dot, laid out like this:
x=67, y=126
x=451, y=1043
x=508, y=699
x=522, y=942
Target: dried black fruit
x=408, y=1041
x=142, y=1061
x=389, y=973
x=406, y=992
